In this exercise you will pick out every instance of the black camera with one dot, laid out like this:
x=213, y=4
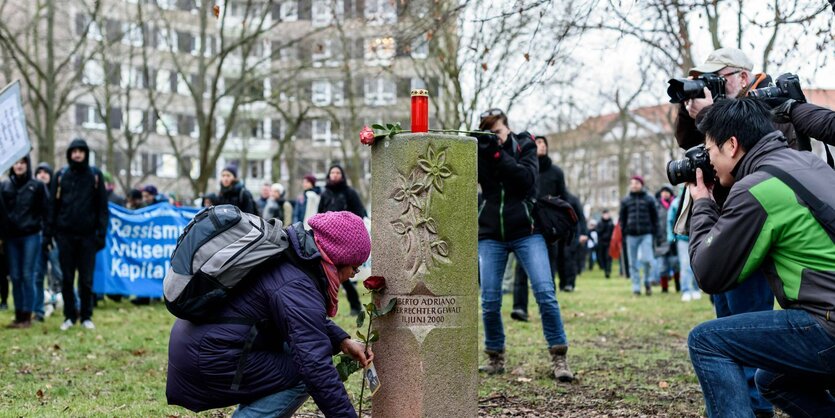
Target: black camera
x=682, y=89
x=684, y=170
x=787, y=86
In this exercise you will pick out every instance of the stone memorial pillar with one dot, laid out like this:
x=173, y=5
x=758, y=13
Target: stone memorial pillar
x=425, y=243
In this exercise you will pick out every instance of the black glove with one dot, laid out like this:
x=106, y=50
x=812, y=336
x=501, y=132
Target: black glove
x=783, y=112
x=101, y=239
x=46, y=244
x=488, y=144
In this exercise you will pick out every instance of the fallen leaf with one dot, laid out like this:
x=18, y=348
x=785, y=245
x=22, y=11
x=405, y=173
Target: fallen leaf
x=527, y=56
x=663, y=385
x=56, y=347
x=523, y=379
x=91, y=356
x=138, y=352
x=39, y=393
x=484, y=66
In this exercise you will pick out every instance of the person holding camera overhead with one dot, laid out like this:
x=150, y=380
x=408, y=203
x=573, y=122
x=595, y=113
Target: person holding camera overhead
x=777, y=219
x=754, y=294
x=507, y=173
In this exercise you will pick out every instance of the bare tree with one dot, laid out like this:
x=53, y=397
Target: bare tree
x=48, y=57
x=223, y=63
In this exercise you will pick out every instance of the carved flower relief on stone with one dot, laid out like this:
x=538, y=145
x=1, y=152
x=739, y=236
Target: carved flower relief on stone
x=418, y=232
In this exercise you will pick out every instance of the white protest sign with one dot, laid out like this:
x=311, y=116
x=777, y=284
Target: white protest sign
x=14, y=138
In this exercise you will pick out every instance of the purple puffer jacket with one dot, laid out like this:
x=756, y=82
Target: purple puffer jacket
x=203, y=359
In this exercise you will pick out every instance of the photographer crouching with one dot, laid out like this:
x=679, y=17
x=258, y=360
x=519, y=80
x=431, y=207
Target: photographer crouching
x=777, y=218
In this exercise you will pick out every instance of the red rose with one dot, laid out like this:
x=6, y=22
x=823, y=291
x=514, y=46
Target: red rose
x=367, y=136
x=375, y=283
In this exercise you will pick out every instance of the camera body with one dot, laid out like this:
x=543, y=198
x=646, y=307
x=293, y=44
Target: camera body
x=681, y=89
x=684, y=170
x=787, y=86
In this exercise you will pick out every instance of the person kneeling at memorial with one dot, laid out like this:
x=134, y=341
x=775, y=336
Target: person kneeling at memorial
x=773, y=219
x=507, y=172
x=291, y=356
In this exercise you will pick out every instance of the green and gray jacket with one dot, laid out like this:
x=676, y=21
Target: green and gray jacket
x=764, y=224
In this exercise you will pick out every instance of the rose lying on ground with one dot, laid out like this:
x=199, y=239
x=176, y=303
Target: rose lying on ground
x=367, y=136
x=375, y=283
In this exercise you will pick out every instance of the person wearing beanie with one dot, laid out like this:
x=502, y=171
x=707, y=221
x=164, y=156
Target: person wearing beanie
x=48, y=261
x=277, y=207
x=338, y=196
x=233, y=192
x=77, y=221
x=666, y=254
x=291, y=359
x=23, y=207
x=639, y=222
x=307, y=203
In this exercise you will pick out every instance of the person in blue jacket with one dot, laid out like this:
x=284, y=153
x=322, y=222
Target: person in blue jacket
x=291, y=357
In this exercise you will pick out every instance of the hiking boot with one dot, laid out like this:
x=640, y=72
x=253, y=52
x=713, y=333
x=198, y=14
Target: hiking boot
x=519, y=315
x=561, y=370
x=21, y=320
x=495, y=362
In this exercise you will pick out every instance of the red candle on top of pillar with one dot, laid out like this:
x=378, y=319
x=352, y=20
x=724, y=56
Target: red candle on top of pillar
x=420, y=110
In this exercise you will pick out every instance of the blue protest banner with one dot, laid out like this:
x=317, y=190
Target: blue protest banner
x=138, y=249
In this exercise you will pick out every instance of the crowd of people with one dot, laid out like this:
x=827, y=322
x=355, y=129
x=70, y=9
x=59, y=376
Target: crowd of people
x=763, y=230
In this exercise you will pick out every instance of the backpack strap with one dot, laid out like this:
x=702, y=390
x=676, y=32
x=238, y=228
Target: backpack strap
x=824, y=213
x=248, y=343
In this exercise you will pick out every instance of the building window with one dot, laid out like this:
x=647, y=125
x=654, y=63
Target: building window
x=255, y=169
x=321, y=93
x=338, y=93
x=167, y=124
x=322, y=52
x=133, y=34
x=380, y=12
x=420, y=48
x=167, y=40
x=89, y=117
x=93, y=73
x=167, y=166
x=134, y=120
x=322, y=133
x=380, y=91
x=133, y=77
x=163, y=81
x=379, y=51
x=324, y=11
x=289, y=11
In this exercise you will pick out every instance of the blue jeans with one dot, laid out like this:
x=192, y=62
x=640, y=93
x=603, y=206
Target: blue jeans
x=794, y=354
x=752, y=295
x=639, y=249
x=688, y=280
x=280, y=404
x=532, y=253
x=57, y=279
x=22, y=254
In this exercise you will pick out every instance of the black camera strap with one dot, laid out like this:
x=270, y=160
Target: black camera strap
x=824, y=213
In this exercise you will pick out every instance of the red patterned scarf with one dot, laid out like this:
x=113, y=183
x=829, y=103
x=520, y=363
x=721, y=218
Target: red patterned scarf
x=332, y=273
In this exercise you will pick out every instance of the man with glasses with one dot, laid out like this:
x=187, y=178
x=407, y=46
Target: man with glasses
x=507, y=172
x=754, y=294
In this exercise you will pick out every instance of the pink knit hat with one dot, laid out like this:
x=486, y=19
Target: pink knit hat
x=342, y=236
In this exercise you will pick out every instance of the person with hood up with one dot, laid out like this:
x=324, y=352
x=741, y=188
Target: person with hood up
x=24, y=206
x=338, y=196
x=77, y=220
x=291, y=357
x=233, y=192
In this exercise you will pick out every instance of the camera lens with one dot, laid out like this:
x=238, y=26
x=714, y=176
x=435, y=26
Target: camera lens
x=681, y=171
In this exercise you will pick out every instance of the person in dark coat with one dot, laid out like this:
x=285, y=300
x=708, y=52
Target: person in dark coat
x=291, y=357
x=25, y=205
x=77, y=220
x=233, y=192
x=605, y=228
x=568, y=253
x=551, y=182
x=639, y=221
x=338, y=196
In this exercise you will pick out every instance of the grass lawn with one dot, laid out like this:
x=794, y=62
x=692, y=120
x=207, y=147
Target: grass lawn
x=629, y=354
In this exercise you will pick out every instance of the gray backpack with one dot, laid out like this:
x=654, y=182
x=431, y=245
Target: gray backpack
x=214, y=254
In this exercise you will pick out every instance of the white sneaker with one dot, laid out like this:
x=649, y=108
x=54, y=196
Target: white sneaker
x=88, y=324
x=686, y=297
x=67, y=325
x=696, y=294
